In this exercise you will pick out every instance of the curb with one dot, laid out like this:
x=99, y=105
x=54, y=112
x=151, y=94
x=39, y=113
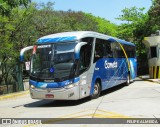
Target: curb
x=149, y=80
x=13, y=95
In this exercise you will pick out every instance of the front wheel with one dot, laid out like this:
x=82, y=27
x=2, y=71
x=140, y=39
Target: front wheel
x=97, y=90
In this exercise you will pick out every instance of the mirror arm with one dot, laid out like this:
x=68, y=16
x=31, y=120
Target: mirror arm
x=77, y=49
x=23, y=51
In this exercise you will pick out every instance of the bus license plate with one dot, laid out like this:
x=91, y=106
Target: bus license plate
x=49, y=96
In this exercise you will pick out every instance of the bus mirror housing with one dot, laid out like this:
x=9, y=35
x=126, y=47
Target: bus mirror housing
x=23, y=51
x=77, y=49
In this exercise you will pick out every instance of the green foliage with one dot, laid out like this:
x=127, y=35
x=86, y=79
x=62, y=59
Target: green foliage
x=154, y=17
x=104, y=26
x=6, y=6
x=134, y=28
x=132, y=14
x=134, y=18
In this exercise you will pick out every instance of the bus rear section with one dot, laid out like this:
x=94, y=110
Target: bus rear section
x=115, y=63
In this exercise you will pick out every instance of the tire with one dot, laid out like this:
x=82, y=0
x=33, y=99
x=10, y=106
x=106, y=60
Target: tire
x=128, y=80
x=97, y=90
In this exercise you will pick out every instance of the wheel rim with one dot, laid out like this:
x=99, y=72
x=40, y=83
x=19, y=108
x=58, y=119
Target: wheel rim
x=96, y=89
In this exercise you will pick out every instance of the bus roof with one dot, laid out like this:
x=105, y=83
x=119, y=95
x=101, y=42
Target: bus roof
x=76, y=35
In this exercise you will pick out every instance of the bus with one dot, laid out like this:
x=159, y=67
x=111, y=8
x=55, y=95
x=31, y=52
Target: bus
x=74, y=65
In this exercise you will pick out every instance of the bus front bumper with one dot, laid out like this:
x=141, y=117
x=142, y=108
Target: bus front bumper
x=55, y=94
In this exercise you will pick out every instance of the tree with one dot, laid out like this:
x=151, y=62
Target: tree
x=133, y=17
x=154, y=17
x=103, y=26
x=6, y=6
x=10, y=46
x=135, y=29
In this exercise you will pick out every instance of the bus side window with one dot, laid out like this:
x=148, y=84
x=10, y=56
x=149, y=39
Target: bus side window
x=99, y=49
x=130, y=50
x=117, y=50
x=108, y=51
x=85, y=57
x=114, y=49
x=85, y=54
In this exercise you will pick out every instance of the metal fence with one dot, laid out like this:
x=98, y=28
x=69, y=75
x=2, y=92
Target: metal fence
x=11, y=78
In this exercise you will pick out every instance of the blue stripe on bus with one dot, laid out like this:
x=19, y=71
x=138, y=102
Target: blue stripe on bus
x=53, y=84
x=57, y=39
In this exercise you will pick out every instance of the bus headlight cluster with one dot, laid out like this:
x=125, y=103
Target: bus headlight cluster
x=32, y=86
x=70, y=86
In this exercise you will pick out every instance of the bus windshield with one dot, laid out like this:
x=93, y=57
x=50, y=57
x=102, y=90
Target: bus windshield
x=53, y=62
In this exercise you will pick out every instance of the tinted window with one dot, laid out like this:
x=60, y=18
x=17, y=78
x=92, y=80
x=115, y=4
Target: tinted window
x=130, y=50
x=119, y=53
x=102, y=49
x=108, y=50
x=153, y=52
x=99, y=49
x=117, y=50
x=85, y=54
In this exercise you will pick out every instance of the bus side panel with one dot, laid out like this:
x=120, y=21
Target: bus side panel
x=119, y=72
x=86, y=81
x=122, y=70
x=103, y=72
x=85, y=84
x=110, y=71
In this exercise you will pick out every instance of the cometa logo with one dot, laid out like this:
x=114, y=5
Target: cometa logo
x=110, y=65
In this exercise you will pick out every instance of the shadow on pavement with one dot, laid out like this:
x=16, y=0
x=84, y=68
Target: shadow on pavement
x=56, y=103
x=66, y=103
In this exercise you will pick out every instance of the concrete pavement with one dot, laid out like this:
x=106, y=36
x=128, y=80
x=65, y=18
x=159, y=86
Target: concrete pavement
x=138, y=100
x=146, y=78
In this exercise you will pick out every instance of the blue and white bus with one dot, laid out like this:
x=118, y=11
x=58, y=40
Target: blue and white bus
x=74, y=65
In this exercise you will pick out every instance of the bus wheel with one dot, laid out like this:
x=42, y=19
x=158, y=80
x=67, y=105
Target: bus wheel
x=97, y=90
x=128, y=80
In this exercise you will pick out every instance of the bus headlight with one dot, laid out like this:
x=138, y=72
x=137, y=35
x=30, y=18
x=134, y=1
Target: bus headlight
x=32, y=86
x=70, y=86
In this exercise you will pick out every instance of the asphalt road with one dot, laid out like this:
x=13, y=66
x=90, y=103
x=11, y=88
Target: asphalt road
x=141, y=99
